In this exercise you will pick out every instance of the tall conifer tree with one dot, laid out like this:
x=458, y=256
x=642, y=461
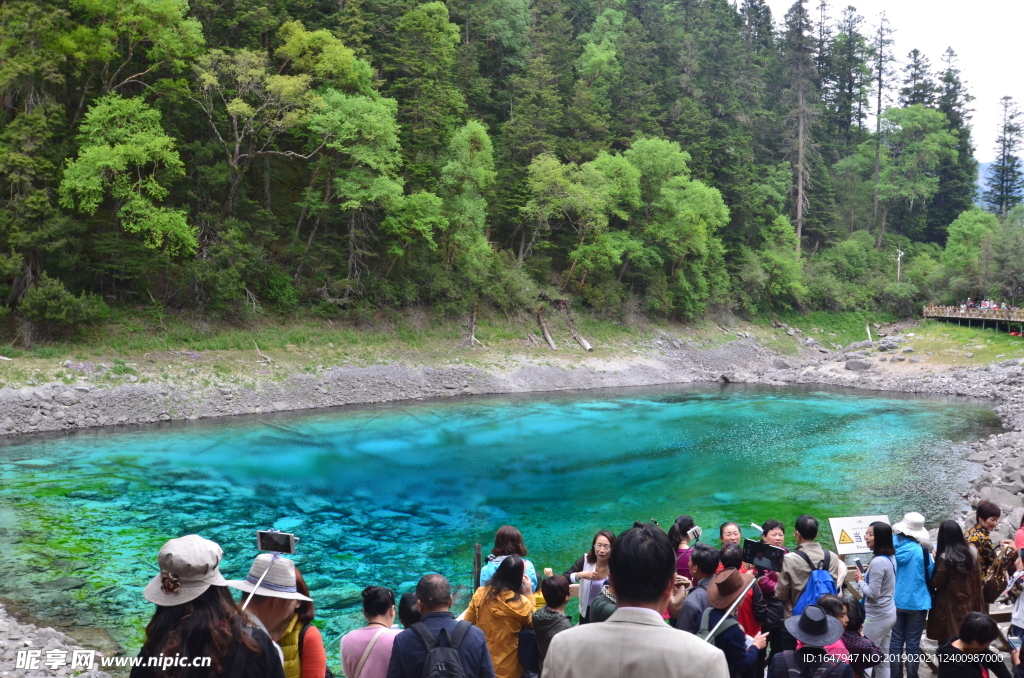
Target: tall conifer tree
x=1005, y=178
x=800, y=57
x=883, y=59
x=957, y=178
x=918, y=85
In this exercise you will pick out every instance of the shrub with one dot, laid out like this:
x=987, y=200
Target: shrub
x=56, y=311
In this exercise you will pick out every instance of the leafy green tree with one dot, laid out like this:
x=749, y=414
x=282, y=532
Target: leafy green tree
x=914, y=141
x=249, y=102
x=126, y=43
x=465, y=181
x=962, y=256
x=1006, y=179
x=772, y=276
x=1008, y=255
x=356, y=177
x=126, y=156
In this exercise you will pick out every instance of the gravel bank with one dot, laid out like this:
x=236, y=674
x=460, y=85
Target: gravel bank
x=61, y=407
x=15, y=636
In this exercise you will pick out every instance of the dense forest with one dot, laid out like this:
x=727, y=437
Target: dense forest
x=344, y=157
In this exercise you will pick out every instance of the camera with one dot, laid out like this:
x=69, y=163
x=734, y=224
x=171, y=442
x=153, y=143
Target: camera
x=276, y=542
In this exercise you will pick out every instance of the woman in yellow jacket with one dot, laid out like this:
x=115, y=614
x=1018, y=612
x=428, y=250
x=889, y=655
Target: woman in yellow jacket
x=502, y=608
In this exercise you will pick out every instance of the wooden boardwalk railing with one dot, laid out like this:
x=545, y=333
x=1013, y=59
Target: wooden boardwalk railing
x=974, y=313
x=987, y=317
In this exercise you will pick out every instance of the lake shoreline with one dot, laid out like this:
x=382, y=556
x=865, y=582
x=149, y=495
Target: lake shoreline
x=743, y=361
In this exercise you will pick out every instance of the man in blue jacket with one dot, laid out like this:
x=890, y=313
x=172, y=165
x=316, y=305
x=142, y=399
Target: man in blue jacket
x=914, y=568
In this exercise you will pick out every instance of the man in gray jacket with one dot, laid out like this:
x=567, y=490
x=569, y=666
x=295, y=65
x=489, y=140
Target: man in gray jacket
x=796, y=572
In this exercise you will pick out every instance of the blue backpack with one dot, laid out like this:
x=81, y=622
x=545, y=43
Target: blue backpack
x=818, y=584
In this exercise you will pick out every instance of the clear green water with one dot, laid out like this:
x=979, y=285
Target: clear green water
x=382, y=495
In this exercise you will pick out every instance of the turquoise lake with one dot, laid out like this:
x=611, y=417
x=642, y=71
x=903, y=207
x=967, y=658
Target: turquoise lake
x=383, y=494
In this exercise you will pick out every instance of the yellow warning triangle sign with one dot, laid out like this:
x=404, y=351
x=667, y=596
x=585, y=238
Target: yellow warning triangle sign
x=844, y=538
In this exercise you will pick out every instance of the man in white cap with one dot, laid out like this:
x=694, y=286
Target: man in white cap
x=914, y=568
x=276, y=598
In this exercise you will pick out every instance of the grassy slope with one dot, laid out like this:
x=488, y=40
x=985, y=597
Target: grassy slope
x=181, y=351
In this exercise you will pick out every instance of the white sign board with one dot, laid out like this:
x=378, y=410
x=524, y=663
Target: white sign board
x=848, y=533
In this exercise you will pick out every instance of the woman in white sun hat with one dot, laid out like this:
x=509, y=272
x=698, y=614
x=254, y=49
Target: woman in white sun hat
x=196, y=617
x=914, y=569
x=282, y=606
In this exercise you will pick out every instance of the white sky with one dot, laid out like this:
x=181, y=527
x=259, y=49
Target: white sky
x=984, y=34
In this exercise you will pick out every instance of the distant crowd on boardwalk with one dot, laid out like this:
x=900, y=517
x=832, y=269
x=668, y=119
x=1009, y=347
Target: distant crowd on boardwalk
x=651, y=603
x=986, y=304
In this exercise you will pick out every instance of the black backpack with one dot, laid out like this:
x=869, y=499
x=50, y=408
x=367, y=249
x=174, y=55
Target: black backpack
x=443, y=659
x=793, y=670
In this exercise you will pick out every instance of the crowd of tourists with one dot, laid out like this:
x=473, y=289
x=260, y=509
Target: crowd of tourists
x=651, y=603
x=986, y=304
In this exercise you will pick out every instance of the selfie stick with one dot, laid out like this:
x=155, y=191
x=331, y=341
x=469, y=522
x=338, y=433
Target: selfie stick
x=274, y=556
x=728, y=612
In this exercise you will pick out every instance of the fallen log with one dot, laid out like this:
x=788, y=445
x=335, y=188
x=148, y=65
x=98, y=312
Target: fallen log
x=577, y=336
x=563, y=306
x=544, y=330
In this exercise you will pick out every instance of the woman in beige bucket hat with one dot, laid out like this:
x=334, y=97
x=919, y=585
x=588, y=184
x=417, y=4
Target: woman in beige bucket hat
x=278, y=603
x=196, y=620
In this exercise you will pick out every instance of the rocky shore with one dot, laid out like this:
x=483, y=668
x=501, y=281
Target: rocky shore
x=15, y=636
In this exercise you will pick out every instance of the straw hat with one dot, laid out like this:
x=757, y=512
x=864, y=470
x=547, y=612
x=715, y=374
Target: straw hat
x=726, y=587
x=279, y=582
x=912, y=525
x=814, y=628
x=188, y=566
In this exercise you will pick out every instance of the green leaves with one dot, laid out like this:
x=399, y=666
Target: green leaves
x=915, y=141
x=465, y=181
x=363, y=133
x=126, y=156
x=132, y=39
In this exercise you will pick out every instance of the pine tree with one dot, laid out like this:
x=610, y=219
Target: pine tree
x=421, y=69
x=634, y=107
x=918, y=85
x=883, y=59
x=538, y=94
x=1006, y=179
x=957, y=178
x=758, y=28
x=847, y=83
x=799, y=53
